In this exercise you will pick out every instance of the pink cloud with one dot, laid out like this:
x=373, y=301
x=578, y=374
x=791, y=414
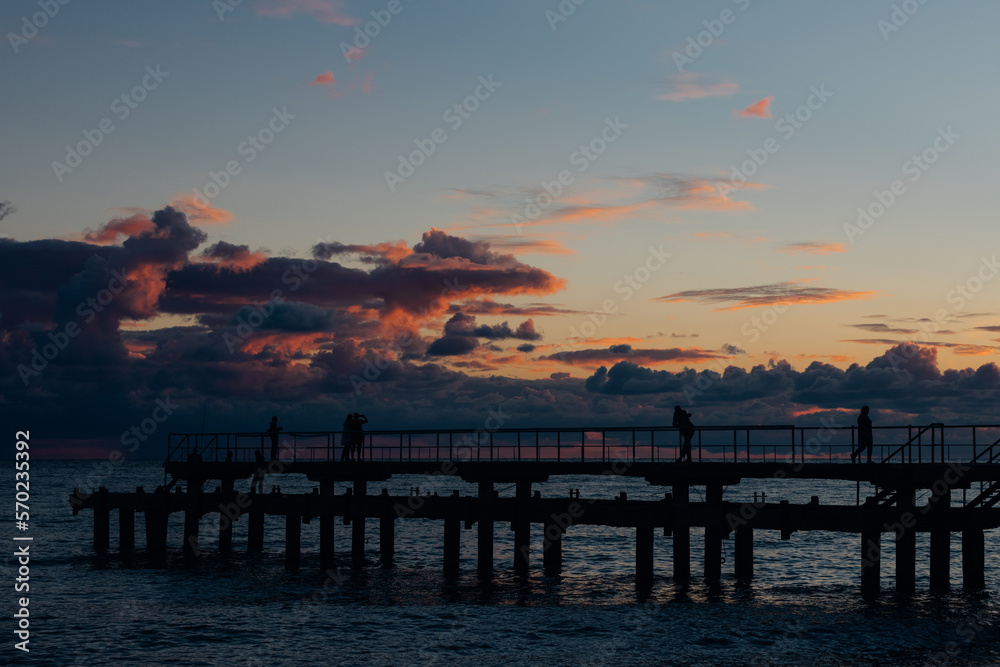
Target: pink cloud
x=759, y=109
x=688, y=87
x=328, y=81
x=327, y=11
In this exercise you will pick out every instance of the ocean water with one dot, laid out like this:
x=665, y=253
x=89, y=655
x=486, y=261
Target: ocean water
x=803, y=608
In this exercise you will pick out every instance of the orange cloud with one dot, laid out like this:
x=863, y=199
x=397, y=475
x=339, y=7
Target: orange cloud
x=688, y=87
x=111, y=230
x=759, y=109
x=200, y=211
x=327, y=11
x=813, y=248
x=529, y=246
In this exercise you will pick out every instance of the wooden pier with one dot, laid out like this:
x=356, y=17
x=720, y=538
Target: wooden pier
x=973, y=467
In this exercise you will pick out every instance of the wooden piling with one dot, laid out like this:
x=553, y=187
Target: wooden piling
x=940, y=564
x=522, y=529
x=126, y=530
x=386, y=532
x=973, y=559
x=644, y=555
x=156, y=533
x=485, y=542
x=906, y=543
x=682, y=534
x=743, y=553
x=713, y=535
x=293, y=538
x=552, y=547
x=452, y=542
x=192, y=520
x=326, y=524
x=227, y=518
x=871, y=563
x=255, y=531
x=358, y=522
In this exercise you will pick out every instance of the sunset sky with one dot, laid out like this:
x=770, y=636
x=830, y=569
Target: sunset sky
x=568, y=210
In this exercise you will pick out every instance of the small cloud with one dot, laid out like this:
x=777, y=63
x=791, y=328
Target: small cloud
x=733, y=349
x=326, y=11
x=813, y=248
x=200, y=211
x=759, y=109
x=687, y=86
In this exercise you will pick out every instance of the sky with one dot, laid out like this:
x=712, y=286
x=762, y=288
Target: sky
x=576, y=212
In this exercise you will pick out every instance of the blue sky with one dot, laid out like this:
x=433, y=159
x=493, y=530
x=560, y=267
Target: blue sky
x=663, y=182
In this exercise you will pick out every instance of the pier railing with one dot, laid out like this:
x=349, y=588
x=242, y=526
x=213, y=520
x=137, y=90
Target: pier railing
x=737, y=444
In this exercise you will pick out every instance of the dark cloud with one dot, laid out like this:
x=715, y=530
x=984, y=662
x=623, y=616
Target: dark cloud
x=786, y=293
x=624, y=351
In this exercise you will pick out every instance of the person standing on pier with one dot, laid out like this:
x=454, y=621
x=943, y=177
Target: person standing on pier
x=682, y=421
x=358, y=422
x=347, y=438
x=272, y=431
x=865, y=439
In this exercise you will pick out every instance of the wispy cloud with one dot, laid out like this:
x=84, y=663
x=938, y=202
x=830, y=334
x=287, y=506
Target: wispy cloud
x=689, y=86
x=326, y=11
x=813, y=248
x=774, y=294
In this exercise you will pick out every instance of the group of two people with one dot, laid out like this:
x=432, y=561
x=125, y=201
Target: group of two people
x=682, y=422
x=353, y=439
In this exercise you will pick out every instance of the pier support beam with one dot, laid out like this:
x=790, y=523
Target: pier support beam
x=293, y=539
x=552, y=547
x=522, y=529
x=255, y=531
x=226, y=520
x=126, y=530
x=973, y=559
x=906, y=543
x=682, y=534
x=871, y=563
x=156, y=533
x=102, y=529
x=452, y=542
x=713, y=536
x=386, y=532
x=485, y=546
x=358, y=523
x=326, y=523
x=940, y=565
x=743, y=553
x=192, y=520
x=644, y=555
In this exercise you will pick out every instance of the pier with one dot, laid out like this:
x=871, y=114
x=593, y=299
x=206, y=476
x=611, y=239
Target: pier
x=906, y=460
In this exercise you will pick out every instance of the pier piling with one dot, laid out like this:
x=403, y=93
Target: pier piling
x=906, y=543
x=713, y=535
x=326, y=523
x=682, y=534
x=126, y=530
x=743, y=553
x=387, y=532
x=522, y=529
x=358, y=522
x=293, y=538
x=973, y=559
x=485, y=542
x=940, y=565
x=644, y=555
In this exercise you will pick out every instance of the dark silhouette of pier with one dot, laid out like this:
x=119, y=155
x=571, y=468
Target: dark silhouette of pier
x=907, y=459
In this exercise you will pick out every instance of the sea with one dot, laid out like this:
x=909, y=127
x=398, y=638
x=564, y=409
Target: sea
x=803, y=607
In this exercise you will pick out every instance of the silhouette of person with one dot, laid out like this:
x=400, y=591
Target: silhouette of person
x=865, y=438
x=358, y=422
x=347, y=439
x=682, y=421
x=272, y=431
x=258, y=475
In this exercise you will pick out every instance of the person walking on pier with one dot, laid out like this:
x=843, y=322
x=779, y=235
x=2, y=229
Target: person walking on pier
x=358, y=422
x=272, y=431
x=682, y=421
x=258, y=475
x=865, y=439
